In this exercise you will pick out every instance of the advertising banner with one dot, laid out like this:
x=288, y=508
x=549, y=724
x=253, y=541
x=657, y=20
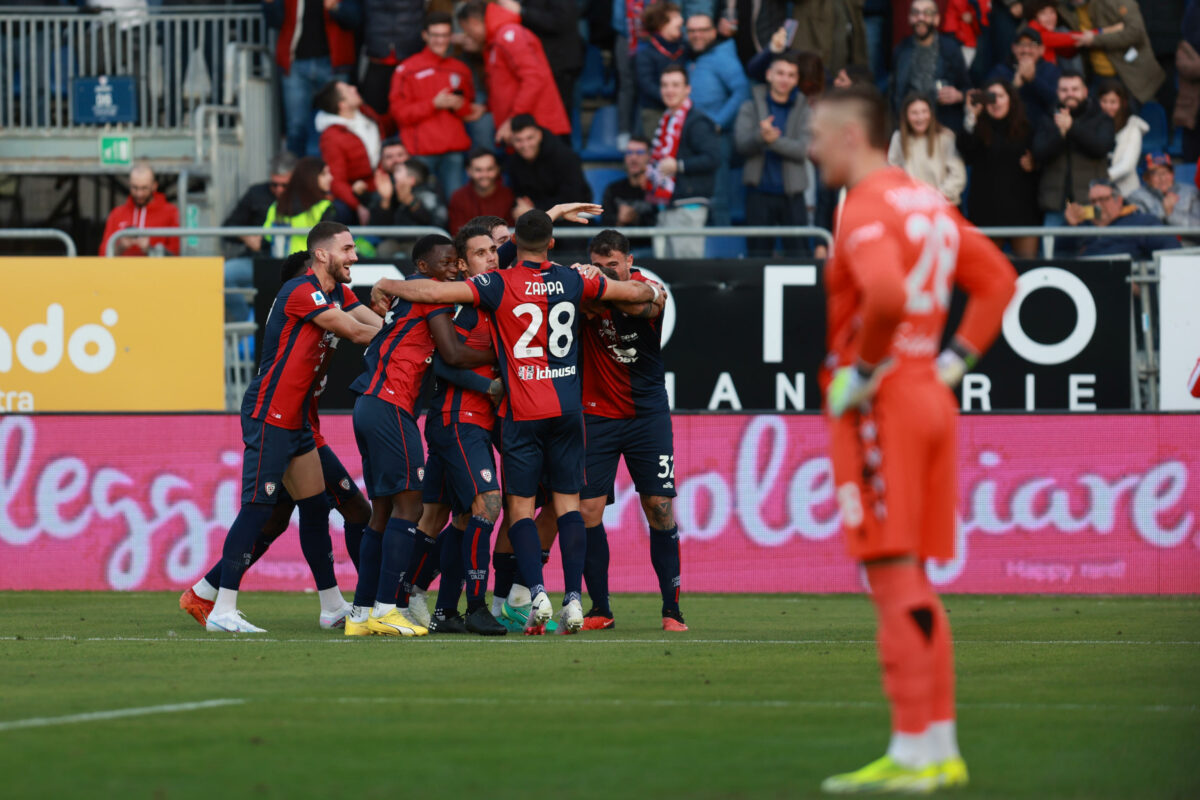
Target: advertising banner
x=749, y=334
x=103, y=334
x=1066, y=504
x=1179, y=330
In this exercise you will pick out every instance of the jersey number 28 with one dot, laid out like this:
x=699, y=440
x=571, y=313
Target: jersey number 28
x=928, y=282
x=562, y=317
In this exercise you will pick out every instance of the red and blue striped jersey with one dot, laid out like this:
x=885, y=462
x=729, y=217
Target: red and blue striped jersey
x=455, y=403
x=623, y=374
x=398, y=356
x=534, y=310
x=293, y=349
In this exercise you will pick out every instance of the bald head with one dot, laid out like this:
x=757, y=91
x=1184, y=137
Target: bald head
x=142, y=184
x=850, y=130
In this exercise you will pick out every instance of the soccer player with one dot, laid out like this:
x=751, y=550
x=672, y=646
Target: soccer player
x=280, y=450
x=626, y=413
x=534, y=310
x=898, y=250
x=386, y=429
x=339, y=486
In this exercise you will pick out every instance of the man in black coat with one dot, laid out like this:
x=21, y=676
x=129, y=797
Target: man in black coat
x=930, y=64
x=1071, y=148
x=251, y=211
x=543, y=171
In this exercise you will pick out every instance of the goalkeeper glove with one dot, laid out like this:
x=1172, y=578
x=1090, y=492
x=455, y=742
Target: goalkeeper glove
x=954, y=362
x=850, y=387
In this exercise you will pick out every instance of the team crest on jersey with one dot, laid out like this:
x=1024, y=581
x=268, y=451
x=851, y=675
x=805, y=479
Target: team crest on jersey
x=525, y=373
x=345, y=484
x=269, y=488
x=319, y=298
x=486, y=474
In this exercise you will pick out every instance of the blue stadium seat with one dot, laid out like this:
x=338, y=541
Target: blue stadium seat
x=595, y=80
x=737, y=210
x=1176, y=149
x=576, y=129
x=600, y=177
x=1156, y=116
x=602, y=136
x=1185, y=174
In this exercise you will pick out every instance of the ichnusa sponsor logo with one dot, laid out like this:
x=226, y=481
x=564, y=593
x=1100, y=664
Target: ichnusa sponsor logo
x=529, y=373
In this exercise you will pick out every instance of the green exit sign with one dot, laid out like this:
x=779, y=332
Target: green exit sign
x=115, y=151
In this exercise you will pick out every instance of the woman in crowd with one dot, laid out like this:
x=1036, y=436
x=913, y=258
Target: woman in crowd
x=303, y=204
x=663, y=46
x=996, y=143
x=1123, y=162
x=926, y=151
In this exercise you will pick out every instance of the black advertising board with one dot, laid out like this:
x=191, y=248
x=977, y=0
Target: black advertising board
x=749, y=334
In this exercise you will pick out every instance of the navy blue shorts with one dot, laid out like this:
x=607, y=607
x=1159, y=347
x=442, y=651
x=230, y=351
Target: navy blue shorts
x=549, y=450
x=461, y=465
x=268, y=452
x=338, y=484
x=390, y=444
x=647, y=445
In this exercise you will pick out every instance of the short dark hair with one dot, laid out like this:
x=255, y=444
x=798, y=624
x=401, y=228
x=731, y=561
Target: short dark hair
x=295, y=264
x=534, y=231
x=468, y=232
x=419, y=170
x=488, y=222
x=609, y=241
x=480, y=152
x=637, y=137
x=391, y=141
x=810, y=71
x=327, y=97
x=322, y=232
x=522, y=121
x=859, y=73
x=871, y=108
x=655, y=16
x=436, y=18
x=425, y=244
x=1067, y=72
x=472, y=8
x=680, y=68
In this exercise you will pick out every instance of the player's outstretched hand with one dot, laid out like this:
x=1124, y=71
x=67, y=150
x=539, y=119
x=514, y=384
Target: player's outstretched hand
x=380, y=300
x=587, y=270
x=574, y=212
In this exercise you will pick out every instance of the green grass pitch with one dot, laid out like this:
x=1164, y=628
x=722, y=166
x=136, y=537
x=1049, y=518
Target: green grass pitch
x=1060, y=697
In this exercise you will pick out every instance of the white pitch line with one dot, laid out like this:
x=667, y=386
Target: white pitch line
x=251, y=638
x=119, y=713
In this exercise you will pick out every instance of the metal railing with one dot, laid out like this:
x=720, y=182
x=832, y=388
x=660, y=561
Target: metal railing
x=389, y=231
x=239, y=361
x=42, y=233
x=175, y=55
x=797, y=231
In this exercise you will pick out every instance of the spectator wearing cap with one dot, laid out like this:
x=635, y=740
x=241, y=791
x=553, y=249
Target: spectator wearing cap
x=772, y=133
x=930, y=64
x=1164, y=198
x=431, y=96
x=351, y=143
x=1107, y=208
x=1123, y=53
x=1033, y=76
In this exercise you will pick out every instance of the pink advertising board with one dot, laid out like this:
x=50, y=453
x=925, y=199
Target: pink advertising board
x=1079, y=504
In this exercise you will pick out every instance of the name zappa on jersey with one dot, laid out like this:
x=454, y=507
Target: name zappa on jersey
x=547, y=287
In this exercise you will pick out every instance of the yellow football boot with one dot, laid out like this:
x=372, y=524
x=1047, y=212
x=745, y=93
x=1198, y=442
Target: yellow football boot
x=952, y=773
x=884, y=776
x=395, y=623
x=358, y=628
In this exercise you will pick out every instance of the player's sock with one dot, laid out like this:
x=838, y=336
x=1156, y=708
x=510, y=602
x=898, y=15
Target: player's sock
x=205, y=588
x=398, y=540
x=426, y=561
x=315, y=542
x=331, y=599
x=370, y=553
x=943, y=740
x=450, y=589
x=238, y=552
x=595, y=568
x=664, y=556
x=354, y=534
x=572, y=545
x=528, y=550
x=905, y=607
x=505, y=567
x=476, y=546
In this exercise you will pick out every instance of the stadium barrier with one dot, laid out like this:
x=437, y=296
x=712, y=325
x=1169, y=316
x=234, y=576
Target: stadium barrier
x=1048, y=504
x=24, y=234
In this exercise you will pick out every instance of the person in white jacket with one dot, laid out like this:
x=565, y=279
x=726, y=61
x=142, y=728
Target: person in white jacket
x=1125, y=157
x=925, y=149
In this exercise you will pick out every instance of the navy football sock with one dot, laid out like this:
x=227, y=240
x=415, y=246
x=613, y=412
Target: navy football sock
x=595, y=568
x=272, y=530
x=370, y=553
x=398, y=540
x=315, y=542
x=354, y=534
x=450, y=589
x=238, y=551
x=426, y=561
x=528, y=549
x=506, y=573
x=664, y=555
x=476, y=546
x=572, y=544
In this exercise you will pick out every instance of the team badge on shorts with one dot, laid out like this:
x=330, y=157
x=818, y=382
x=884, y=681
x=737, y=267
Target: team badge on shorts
x=486, y=474
x=345, y=484
x=420, y=473
x=269, y=487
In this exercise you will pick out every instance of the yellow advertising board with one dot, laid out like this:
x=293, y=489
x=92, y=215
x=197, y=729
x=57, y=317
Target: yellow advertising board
x=112, y=334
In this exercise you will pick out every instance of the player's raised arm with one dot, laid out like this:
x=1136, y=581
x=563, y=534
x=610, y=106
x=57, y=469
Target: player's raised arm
x=342, y=324
x=367, y=316
x=433, y=292
x=452, y=349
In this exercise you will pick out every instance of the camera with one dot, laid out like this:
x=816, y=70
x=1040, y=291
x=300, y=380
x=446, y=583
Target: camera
x=981, y=98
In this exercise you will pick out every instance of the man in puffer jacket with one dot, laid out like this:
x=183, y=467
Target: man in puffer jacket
x=351, y=141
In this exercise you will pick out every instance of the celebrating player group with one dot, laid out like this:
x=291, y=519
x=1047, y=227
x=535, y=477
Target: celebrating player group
x=559, y=369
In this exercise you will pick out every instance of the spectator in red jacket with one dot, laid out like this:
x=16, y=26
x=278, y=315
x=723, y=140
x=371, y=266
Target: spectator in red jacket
x=484, y=196
x=314, y=47
x=145, y=208
x=351, y=141
x=519, y=80
x=431, y=96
